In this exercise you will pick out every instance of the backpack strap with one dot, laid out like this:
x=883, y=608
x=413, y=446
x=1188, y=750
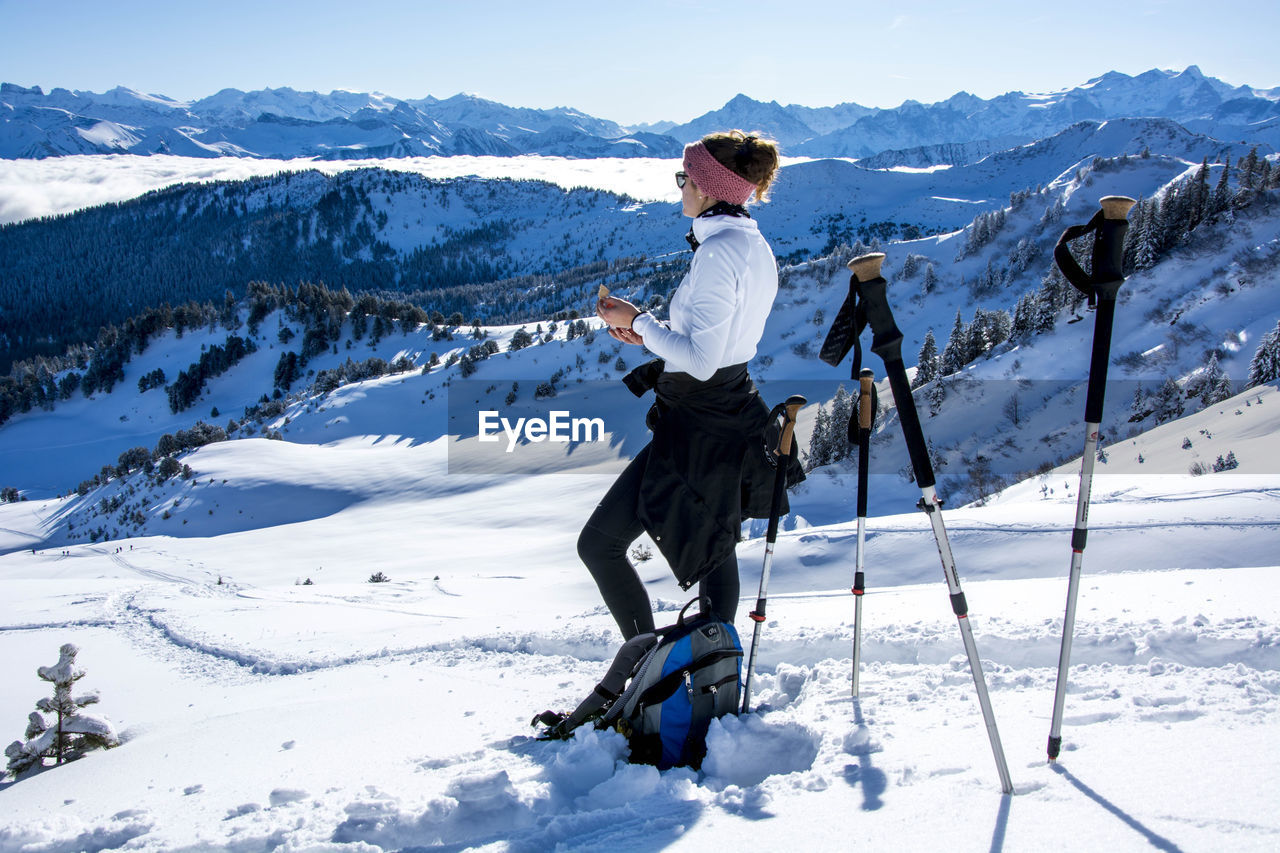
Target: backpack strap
x=704, y=608
x=560, y=726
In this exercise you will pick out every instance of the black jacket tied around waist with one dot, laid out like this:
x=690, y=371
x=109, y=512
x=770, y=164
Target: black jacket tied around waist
x=711, y=464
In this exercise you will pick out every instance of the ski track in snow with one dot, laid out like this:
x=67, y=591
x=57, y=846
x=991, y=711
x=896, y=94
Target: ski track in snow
x=1197, y=642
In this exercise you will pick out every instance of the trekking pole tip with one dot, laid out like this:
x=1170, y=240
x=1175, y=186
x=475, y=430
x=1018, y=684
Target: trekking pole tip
x=867, y=267
x=1116, y=206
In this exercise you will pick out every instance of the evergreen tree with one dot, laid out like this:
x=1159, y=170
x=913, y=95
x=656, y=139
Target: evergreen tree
x=1055, y=294
x=1054, y=212
x=287, y=370
x=930, y=283
x=1041, y=312
x=820, y=441
x=520, y=339
x=1265, y=365
x=1022, y=255
x=1227, y=464
x=1021, y=327
x=910, y=266
x=1248, y=168
x=71, y=732
x=927, y=361
x=1141, y=406
x=841, y=413
x=1168, y=402
x=1221, y=201
x=1137, y=222
x=1147, y=250
x=954, y=352
x=1215, y=385
x=936, y=394
x=1198, y=198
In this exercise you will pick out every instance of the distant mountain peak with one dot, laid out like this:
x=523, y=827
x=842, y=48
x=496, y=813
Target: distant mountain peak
x=351, y=123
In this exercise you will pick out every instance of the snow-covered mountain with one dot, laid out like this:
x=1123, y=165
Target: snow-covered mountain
x=772, y=119
x=284, y=123
x=1239, y=113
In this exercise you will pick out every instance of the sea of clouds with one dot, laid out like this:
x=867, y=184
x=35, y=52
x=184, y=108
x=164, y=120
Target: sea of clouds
x=35, y=188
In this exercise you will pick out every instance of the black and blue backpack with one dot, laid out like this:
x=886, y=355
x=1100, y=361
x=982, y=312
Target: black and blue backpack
x=662, y=691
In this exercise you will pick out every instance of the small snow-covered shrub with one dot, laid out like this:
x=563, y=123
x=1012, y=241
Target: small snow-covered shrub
x=68, y=733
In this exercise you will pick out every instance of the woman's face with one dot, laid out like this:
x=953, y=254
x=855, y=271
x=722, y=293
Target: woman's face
x=693, y=201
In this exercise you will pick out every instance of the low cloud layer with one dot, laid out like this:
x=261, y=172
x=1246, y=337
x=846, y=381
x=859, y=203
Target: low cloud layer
x=35, y=188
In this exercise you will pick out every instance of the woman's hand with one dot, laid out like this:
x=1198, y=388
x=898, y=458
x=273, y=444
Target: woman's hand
x=627, y=336
x=618, y=313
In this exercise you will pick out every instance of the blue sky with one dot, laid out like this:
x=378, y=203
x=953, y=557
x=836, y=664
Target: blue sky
x=639, y=61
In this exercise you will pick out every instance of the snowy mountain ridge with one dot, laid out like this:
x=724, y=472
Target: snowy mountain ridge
x=284, y=123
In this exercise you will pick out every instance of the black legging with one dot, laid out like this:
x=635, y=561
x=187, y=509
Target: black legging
x=603, y=545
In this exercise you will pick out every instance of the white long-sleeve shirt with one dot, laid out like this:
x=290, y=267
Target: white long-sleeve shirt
x=718, y=312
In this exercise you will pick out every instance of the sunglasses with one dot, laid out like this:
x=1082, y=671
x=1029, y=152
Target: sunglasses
x=681, y=178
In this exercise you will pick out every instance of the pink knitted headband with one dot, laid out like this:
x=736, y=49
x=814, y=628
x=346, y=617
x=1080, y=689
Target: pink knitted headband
x=713, y=177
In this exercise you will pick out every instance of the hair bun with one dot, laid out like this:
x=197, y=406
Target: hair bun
x=747, y=155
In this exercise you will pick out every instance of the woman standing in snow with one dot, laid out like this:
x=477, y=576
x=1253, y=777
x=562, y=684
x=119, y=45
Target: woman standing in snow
x=705, y=469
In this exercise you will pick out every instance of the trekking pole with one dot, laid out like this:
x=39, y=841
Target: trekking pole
x=867, y=303
x=1100, y=285
x=866, y=416
x=785, y=453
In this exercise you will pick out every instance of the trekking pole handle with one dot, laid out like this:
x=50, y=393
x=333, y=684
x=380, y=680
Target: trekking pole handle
x=867, y=267
x=865, y=409
x=792, y=408
x=1116, y=206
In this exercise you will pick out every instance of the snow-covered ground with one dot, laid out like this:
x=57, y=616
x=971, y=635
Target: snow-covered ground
x=259, y=714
